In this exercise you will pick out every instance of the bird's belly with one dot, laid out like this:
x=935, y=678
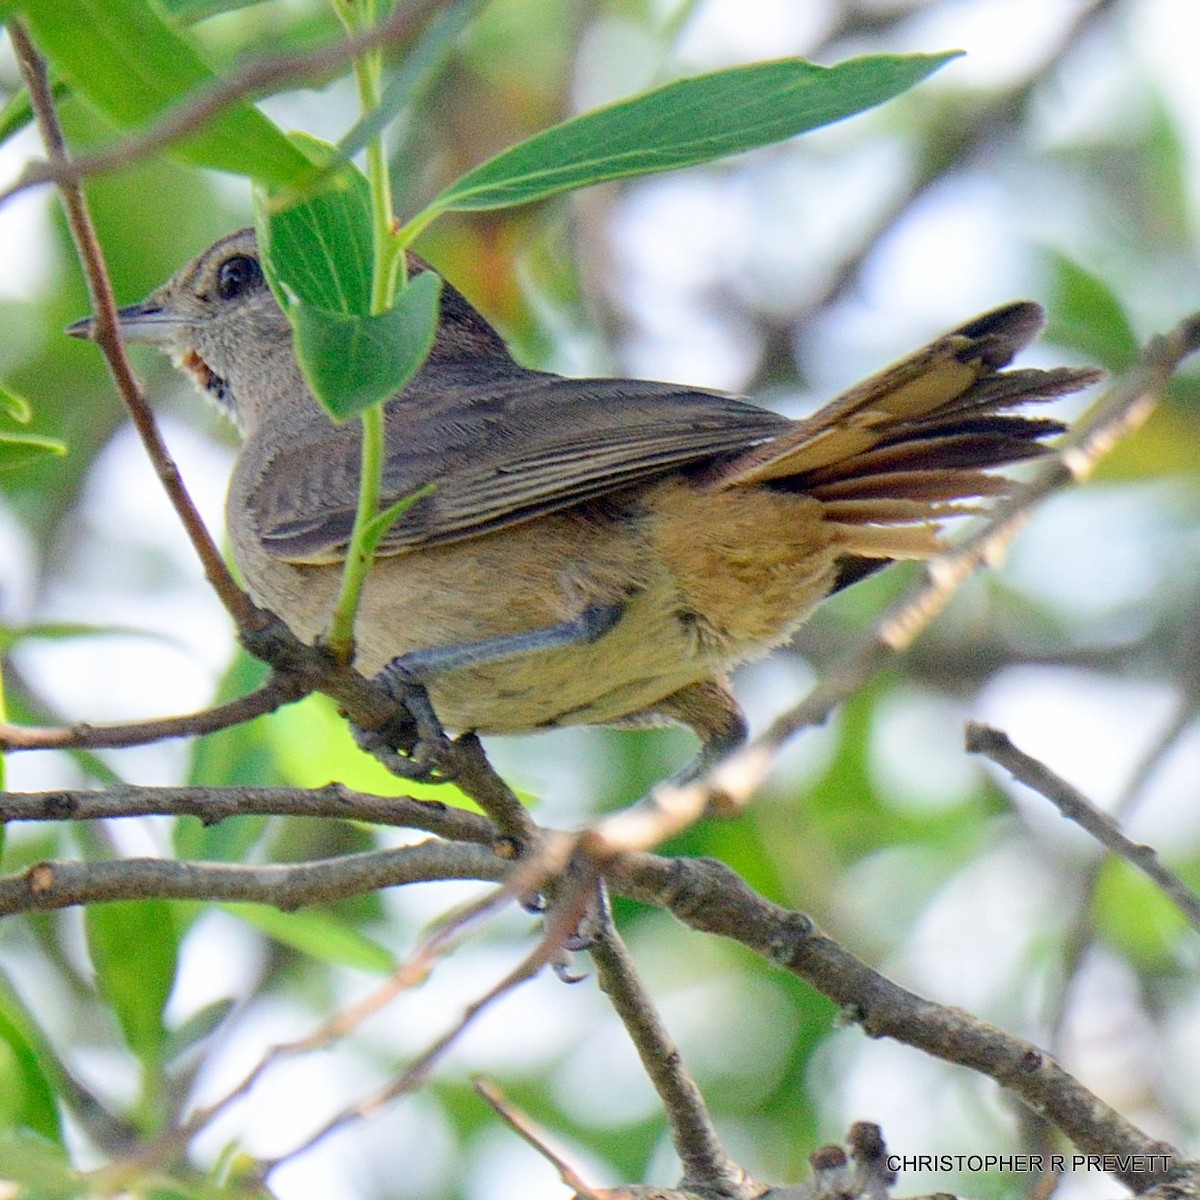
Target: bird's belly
x=704, y=580
x=646, y=656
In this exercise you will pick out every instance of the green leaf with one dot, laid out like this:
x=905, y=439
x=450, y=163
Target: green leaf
x=420, y=63
x=381, y=522
x=1136, y=918
x=17, y=113
x=15, y=406
x=19, y=449
x=352, y=362
x=316, y=934
x=1087, y=316
x=311, y=745
x=318, y=251
x=26, y=1093
x=683, y=123
x=134, y=947
x=59, y=630
x=197, y=1028
x=183, y=12
x=39, y=1168
x=127, y=62
x=318, y=257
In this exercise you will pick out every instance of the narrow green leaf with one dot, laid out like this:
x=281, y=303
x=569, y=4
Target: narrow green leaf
x=197, y=1028
x=318, y=257
x=317, y=934
x=352, y=362
x=17, y=113
x=683, y=123
x=413, y=73
x=39, y=1168
x=382, y=522
x=26, y=1093
x=134, y=946
x=18, y=449
x=184, y=12
x=15, y=406
x=58, y=630
x=126, y=61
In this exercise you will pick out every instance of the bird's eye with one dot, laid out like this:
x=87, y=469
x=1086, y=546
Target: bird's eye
x=237, y=275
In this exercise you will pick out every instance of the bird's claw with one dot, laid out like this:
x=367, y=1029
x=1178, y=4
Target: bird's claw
x=410, y=748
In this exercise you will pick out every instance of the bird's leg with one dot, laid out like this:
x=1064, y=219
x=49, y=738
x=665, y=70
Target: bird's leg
x=405, y=678
x=710, y=711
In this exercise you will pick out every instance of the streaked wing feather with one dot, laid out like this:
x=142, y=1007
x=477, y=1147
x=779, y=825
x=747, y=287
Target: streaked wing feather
x=497, y=451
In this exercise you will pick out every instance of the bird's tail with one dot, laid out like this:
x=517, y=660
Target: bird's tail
x=893, y=457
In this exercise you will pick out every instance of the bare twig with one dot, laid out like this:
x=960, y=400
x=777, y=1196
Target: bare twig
x=560, y=926
x=1075, y=806
x=408, y=974
x=213, y=804
x=83, y=233
x=53, y=885
x=253, y=78
x=709, y=896
x=466, y=765
x=706, y=1166
x=672, y=807
x=528, y=1130
x=1081, y=935
x=274, y=694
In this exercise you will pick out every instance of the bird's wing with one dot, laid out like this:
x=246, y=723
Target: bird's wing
x=494, y=447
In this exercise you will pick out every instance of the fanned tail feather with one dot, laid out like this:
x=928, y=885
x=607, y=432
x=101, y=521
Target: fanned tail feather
x=916, y=444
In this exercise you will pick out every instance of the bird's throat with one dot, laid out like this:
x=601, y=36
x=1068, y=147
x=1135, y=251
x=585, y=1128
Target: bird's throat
x=210, y=385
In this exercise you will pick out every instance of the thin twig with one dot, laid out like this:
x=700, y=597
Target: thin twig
x=1080, y=937
x=47, y=886
x=242, y=82
x=274, y=694
x=561, y=924
x=408, y=974
x=213, y=804
x=708, y=896
x=672, y=807
x=526, y=1128
x=1075, y=806
x=104, y=306
x=465, y=765
x=706, y=1166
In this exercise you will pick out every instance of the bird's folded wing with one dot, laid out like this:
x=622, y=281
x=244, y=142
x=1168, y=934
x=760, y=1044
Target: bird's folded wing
x=494, y=452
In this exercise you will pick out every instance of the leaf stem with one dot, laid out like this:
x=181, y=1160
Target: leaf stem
x=386, y=276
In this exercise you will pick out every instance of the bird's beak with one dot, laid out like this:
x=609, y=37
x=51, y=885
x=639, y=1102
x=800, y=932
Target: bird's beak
x=147, y=321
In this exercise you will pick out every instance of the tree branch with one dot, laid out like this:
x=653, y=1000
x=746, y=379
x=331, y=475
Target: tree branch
x=274, y=694
x=213, y=804
x=1075, y=806
x=47, y=886
x=708, y=896
x=527, y=1129
x=249, y=79
x=561, y=924
x=104, y=306
x=706, y=1166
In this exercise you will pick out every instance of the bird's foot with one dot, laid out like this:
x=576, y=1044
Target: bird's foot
x=413, y=745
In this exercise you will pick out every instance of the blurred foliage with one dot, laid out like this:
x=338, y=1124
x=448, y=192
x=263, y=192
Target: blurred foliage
x=1055, y=159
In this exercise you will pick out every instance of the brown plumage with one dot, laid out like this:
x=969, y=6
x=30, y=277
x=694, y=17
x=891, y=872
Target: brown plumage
x=598, y=550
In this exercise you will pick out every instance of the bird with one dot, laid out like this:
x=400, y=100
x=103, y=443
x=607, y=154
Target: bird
x=585, y=551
